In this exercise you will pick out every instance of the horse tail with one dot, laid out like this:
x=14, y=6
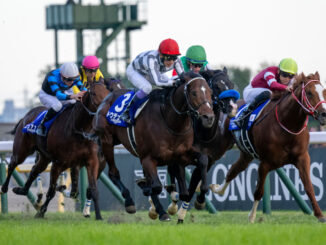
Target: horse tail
x=13, y=132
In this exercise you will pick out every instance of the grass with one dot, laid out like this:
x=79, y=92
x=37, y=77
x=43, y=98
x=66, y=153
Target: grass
x=199, y=228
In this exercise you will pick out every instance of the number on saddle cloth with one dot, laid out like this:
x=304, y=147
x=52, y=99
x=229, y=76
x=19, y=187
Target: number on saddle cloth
x=32, y=127
x=250, y=119
x=113, y=116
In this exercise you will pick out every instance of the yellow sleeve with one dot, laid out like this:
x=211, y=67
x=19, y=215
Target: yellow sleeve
x=75, y=89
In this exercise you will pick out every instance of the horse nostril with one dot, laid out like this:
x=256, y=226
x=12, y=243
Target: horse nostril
x=323, y=114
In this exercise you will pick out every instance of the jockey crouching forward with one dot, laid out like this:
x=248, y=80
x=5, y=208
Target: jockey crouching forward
x=148, y=69
x=264, y=83
x=57, y=91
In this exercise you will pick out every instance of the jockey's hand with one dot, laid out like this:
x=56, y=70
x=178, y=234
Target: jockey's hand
x=78, y=96
x=289, y=88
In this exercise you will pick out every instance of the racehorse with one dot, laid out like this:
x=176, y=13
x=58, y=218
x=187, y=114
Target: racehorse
x=163, y=131
x=280, y=136
x=210, y=140
x=64, y=146
x=113, y=84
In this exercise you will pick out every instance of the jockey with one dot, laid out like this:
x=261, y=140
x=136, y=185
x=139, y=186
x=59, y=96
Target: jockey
x=89, y=72
x=148, y=69
x=57, y=90
x=194, y=60
x=264, y=83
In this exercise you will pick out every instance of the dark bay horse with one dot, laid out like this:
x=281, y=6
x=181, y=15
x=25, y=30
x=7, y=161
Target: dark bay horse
x=64, y=146
x=163, y=132
x=281, y=137
x=210, y=141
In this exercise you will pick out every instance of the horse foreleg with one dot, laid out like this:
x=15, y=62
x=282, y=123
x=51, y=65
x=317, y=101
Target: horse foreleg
x=92, y=172
x=14, y=162
x=259, y=192
x=74, y=175
x=38, y=168
x=54, y=174
x=235, y=169
x=303, y=166
x=163, y=216
x=114, y=175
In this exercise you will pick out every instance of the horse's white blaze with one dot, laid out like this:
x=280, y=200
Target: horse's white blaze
x=202, y=88
x=208, y=104
x=320, y=89
x=87, y=208
x=119, y=86
x=224, y=84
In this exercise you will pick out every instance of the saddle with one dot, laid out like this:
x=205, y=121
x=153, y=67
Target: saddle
x=241, y=136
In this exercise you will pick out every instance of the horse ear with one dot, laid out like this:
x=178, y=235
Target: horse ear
x=317, y=75
x=225, y=70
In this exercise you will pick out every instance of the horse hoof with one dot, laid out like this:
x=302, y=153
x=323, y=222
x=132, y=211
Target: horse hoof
x=152, y=214
x=131, y=209
x=61, y=188
x=165, y=217
x=99, y=218
x=200, y=206
x=39, y=215
x=19, y=191
x=87, y=216
x=180, y=221
x=38, y=205
x=173, y=209
x=322, y=220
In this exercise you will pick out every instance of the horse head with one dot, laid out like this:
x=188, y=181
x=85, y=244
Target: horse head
x=311, y=95
x=198, y=97
x=97, y=91
x=224, y=96
x=113, y=84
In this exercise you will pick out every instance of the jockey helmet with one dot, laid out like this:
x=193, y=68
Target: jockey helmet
x=196, y=54
x=169, y=47
x=91, y=62
x=69, y=70
x=288, y=65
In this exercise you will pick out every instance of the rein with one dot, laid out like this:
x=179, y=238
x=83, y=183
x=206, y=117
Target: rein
x=305, y=105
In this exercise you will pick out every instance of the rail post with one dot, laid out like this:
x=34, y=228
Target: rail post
x=83, y=186
x=267, y=196
x=4, y=196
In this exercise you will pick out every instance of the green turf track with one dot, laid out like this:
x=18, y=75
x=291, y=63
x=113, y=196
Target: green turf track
x=199, y=228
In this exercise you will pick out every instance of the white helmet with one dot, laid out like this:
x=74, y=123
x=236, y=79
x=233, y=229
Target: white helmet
x=69, y=70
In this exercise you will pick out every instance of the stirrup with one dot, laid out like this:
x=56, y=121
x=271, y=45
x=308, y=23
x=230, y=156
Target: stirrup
x=41, y=130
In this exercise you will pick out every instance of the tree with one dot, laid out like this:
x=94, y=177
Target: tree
x=240, y=77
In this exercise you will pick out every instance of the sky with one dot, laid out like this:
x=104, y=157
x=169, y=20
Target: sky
x=233, y=32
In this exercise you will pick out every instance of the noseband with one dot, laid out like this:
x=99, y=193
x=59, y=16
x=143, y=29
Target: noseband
x=305, y=105
x=192, y=110
x=91, y=94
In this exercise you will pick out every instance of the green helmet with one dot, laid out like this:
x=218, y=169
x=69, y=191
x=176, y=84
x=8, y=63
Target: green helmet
x=196, y=54
x=288, y=65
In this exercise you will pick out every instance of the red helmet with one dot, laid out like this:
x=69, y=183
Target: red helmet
x=169, y=47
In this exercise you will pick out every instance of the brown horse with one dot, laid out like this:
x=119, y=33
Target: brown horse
x=163, y=131
x=64, y=146
x=280, y=136
x=210, y=140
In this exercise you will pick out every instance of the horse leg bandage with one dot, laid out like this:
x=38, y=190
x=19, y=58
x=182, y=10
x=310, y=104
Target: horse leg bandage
x=183, y=211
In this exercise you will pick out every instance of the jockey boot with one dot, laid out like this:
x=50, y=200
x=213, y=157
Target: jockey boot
x=41, y=129
x=125, y=116
x=251, y=107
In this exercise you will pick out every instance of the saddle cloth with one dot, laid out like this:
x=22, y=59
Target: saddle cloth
x=241, y=136
x=113, y=116
x=31, y=127
x=249, y=121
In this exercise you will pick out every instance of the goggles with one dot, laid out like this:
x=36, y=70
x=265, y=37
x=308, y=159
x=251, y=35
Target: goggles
x=70, y=79
x=285, y=74
x=197, y=65
x=91, y=70
x=169, y=57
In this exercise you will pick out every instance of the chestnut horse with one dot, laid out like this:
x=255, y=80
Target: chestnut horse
x=281, y=137
x=163, y=132
x=64, y=146
x=210, y=140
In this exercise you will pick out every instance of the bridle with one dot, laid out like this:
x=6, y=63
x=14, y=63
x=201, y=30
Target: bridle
x=192, y=110
x=305, y=105
x=91, y=94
